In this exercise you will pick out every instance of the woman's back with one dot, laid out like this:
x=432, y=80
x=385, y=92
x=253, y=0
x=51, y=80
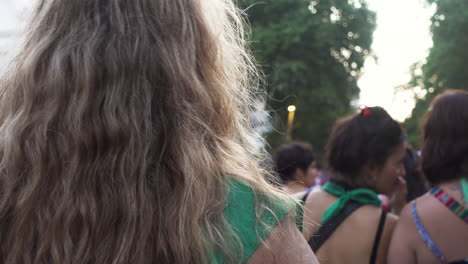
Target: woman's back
x=353, y=240
x=434, y=227
x=363, y=159
x=448, y=231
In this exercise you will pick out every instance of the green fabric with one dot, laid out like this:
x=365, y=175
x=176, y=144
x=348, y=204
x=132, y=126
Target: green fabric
x=300, y=215
x=362, y=195
x=241, y=216
x=464, y=187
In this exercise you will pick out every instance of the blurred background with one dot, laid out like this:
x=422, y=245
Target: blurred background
x=323, y=58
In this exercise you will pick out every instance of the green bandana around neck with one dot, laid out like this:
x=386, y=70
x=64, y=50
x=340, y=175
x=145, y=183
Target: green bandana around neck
x=361, y=195
x=464, y=187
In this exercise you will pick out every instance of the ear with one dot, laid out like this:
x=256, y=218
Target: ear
x=371, y=172
x=299, y=174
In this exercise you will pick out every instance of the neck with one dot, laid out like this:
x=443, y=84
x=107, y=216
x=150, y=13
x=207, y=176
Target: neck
x=296, y=186
x=451, y=183
x=351, y=186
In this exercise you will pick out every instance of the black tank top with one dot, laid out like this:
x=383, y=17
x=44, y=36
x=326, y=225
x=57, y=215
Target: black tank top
x=327, y=229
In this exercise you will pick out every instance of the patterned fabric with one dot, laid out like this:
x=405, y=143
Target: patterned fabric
x=428, y=240
x=425, y=235
x=451, y=203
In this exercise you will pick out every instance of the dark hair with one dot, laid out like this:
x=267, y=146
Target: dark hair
x=367, y=138
x=416, y=183
x=288, y=158
x=445, y=136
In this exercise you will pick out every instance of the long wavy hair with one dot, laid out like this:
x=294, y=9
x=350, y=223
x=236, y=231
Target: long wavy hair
x=121, y=122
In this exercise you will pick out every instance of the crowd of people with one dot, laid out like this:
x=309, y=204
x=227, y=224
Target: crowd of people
x=382, y=201
x=125, y=138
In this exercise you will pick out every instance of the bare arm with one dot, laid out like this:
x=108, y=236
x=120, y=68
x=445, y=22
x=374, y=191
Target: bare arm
x=285, y=244
x=401, y=249
x=398, y=199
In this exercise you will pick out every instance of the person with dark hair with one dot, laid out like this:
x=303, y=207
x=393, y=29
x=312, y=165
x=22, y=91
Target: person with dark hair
x=296, y=167
x=434, y=227
x=364, y=158
x=416, y=183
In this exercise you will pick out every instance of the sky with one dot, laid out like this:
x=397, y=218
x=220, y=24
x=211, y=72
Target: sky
x=10, y=19
x=401, y=38
x=10, y=11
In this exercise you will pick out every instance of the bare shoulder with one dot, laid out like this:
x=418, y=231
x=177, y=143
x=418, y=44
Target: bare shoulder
x=405, y=219
x=428, y=207
x=391, y=221
x=401, y=248
x=390, y=224
x=317, y=202
x=369, y=215
x=405, y=238
x=299, y=195
x=285, y=244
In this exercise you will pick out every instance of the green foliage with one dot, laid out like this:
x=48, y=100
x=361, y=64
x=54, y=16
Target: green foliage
x=446, y=66
x=311, y=53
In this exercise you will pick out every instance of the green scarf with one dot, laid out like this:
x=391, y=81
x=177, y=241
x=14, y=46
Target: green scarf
x=464, y=187
x=362, y=195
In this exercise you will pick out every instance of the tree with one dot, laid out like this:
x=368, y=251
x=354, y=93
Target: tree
x=311, y=53
x=446, y=66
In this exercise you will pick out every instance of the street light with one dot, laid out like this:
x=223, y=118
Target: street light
x=291, y=111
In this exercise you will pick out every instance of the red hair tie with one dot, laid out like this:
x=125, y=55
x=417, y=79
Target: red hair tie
x=365, y=111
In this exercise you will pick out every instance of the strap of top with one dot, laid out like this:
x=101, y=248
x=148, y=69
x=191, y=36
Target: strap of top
x=425, y=235
x=327, y=228
x=378, y=236
x=241, y=215
x=303, y=199
x=451, y=203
